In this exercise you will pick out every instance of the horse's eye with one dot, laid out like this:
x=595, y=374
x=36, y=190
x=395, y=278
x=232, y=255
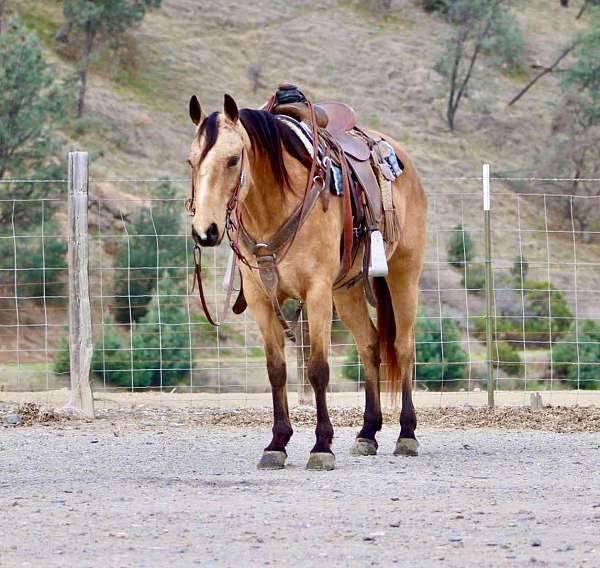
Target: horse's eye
x=189, y=162
x=233, y=161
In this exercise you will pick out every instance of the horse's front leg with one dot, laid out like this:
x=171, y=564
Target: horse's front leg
x=274, y=455
x=319, y=304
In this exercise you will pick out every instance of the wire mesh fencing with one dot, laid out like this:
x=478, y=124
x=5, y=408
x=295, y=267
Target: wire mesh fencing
x=150, y=334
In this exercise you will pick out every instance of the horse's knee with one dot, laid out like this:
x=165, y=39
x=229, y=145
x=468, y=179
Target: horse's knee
x=277, y=372
x=318, y=372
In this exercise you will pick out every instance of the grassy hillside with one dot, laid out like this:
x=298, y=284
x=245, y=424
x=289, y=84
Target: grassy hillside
x=335, y=49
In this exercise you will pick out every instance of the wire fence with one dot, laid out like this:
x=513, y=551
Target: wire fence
x=149, y=333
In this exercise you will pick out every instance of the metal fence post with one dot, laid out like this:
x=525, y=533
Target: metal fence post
x=305, y=392
x=80, y=319
x=488, y=282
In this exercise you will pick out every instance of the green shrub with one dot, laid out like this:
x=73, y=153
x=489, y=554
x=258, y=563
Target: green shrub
x=62, y=363
x=160, y=340
x=546, y=310
x=352, y=369
x=460, y=247
x=565, y=355
x=440, y=359
x=473, y=278
x=41, y=266
x=507, y=358
x=150, y=247
x=540, y=300
x=111, y=362
x=436, y=6
x=520, y=268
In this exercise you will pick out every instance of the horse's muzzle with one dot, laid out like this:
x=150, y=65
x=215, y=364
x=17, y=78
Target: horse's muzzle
x=210, y=240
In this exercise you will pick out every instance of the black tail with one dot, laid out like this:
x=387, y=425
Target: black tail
x=386, y=334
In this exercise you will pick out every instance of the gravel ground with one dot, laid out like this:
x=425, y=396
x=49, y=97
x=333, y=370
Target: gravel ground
x=164, y=490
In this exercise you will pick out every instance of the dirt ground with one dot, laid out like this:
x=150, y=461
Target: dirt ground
x=164, y=488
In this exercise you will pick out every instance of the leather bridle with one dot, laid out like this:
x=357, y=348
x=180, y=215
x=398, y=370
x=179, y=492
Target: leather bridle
x=231, y=207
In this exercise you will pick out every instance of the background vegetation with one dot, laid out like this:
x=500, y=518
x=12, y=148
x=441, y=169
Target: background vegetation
x=459, y=83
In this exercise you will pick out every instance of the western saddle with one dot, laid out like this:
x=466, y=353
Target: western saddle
x=339, y=121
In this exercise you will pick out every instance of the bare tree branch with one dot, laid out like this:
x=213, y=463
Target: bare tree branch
x=545, y=71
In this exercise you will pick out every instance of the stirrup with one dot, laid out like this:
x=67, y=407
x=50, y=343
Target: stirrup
x=377, y=262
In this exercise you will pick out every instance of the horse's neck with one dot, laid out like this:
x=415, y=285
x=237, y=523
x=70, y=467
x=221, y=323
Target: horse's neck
x=265, y=208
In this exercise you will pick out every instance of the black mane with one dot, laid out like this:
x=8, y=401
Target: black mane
x=268, y=137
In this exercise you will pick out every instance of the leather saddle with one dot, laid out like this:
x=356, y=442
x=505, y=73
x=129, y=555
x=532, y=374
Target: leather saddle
x=339, y=120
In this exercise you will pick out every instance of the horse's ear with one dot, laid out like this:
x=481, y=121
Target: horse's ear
x=231, y=109
x=195, y=110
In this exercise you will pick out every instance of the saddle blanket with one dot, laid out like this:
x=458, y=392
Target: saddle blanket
x=304, y=134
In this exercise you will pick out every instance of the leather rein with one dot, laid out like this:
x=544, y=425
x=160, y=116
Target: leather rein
x=268, y=256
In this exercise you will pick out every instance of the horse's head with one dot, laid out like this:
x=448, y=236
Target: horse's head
x=217, y=161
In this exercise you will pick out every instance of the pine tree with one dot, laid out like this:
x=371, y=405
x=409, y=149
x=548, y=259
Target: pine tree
x=101, y=22
x=32, y=104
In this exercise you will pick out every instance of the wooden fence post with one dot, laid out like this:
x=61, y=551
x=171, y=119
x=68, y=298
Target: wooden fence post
x=80, y=318
x=305, y=391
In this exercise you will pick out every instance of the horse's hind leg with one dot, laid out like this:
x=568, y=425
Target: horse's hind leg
x=352, y=308
x=403, y=283
x=274, y=455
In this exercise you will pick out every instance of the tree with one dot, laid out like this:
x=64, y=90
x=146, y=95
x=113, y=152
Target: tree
x=587, y=4
x=101, y=22
x=32, y=104
x=577, y=358
x=575, y=155
x=584, y=73
x=460, y=248
x=2, y=4
x=478, y=26
x=575, y=152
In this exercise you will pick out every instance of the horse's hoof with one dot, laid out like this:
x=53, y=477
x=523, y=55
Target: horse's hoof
x=272, y=460
x=406, y=447
x=364, y=447
x=321, y=461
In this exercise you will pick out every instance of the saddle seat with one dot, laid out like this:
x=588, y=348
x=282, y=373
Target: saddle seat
x=339, y=119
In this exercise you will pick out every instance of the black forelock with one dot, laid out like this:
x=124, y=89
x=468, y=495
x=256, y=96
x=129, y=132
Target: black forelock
x=210, y=128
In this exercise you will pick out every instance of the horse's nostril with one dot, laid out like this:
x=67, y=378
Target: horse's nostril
x=208, y=239
x=213, y=232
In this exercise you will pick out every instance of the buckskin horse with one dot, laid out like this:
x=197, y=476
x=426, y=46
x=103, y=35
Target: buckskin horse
x=256, y=182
